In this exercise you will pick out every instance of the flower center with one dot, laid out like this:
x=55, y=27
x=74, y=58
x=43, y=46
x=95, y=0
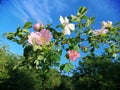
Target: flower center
x=42, y=39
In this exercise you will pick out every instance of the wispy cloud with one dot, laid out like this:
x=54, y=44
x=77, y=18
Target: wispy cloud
x=35, y=10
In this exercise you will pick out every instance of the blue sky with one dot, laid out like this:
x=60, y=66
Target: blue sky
x=17, y=12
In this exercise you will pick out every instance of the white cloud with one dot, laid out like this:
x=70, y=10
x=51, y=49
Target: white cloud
x=36, y=10
x=17, y=10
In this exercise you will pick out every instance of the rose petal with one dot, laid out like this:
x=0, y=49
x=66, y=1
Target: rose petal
x=71, y=26
x=66, y=21
x=61, y=20
x=66, y=31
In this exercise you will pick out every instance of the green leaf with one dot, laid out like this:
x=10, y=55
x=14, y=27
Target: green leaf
x=27, y=25
x=62, y=67
x=67, y=68
x=26, y=30
x=92, y=19
x=109, y=50
x=29, y=66
x=35, y=47
x=114, y=55
x=15, y=67
x=36, y=62
x=48, y=26
x=40, y=57
x=71, y=65
x=58, y=26
x=103, y=35
x=82, y=11
x=10, y=36
x=55, y=58
x=85, y=17
x=76, y=47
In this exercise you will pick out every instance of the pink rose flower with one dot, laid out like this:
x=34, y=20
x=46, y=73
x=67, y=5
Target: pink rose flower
x=34, y=37
x=73, y=55
x=40, y=38
x=45, y=36
x=38, y=26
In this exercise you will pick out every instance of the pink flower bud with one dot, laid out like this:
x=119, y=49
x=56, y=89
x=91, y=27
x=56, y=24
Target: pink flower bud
x=73, y=55
x=38, y=26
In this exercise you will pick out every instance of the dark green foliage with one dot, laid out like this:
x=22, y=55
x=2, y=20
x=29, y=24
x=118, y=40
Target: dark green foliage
x=66, y=83
x=24, y=79
x=97, y=73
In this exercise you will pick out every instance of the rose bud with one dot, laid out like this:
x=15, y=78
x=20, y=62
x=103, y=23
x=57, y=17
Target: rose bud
x=38, y=26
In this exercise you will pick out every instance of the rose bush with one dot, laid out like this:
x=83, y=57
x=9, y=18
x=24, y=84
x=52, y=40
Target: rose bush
x=44, y=47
